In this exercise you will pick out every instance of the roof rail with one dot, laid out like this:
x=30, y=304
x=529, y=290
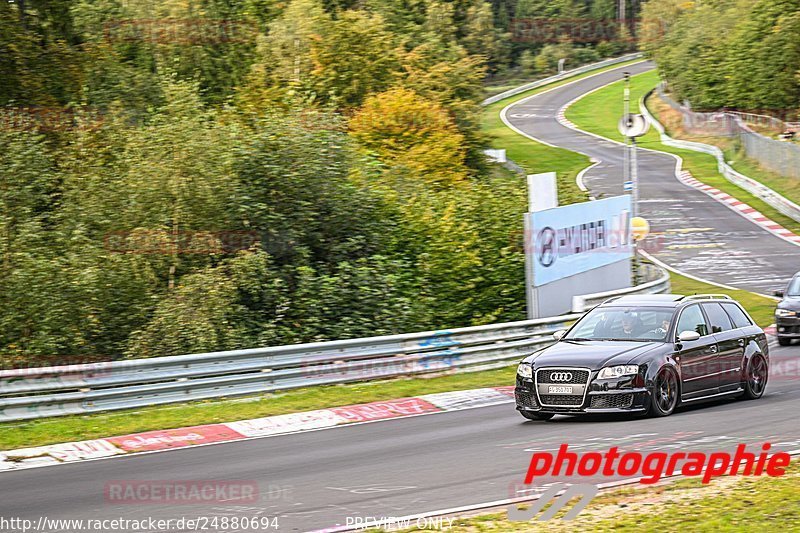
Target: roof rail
x=707, y=297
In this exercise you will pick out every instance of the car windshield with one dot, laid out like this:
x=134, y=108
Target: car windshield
x=794, y=287
x=623, y=323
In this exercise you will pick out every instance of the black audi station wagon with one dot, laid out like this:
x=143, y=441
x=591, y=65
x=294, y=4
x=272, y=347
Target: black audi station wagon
x=646, y=354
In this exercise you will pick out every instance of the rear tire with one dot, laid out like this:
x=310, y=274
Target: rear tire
x=665, y=393
x=783, y=341
x=755, y=379
x=536, y=416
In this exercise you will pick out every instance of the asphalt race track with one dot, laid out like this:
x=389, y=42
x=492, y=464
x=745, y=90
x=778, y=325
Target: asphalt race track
x=691, y=231
x=400, y=467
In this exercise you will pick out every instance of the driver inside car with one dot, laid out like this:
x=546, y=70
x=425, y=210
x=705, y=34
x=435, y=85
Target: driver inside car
x=630, y=329
x=661, y=331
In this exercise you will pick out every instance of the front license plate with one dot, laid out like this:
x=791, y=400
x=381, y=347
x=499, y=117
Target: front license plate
x=559, y=390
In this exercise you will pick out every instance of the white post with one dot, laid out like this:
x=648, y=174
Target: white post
x=542, y=191
x=542, y=194
x=626, y=110
x=634, y=179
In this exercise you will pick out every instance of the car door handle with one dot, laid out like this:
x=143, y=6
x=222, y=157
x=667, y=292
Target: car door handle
x=712, y=349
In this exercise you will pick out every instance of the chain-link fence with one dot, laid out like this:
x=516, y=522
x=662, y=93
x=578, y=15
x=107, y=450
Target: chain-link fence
x=778, y=156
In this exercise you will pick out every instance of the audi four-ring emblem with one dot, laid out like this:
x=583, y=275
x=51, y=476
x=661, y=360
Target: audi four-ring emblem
x=561, y=376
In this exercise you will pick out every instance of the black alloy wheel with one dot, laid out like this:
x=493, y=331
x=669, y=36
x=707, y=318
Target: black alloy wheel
x=755, y=378
x=665, y=393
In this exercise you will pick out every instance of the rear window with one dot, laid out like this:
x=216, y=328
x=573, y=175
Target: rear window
x=720, y=321
x=738, y=316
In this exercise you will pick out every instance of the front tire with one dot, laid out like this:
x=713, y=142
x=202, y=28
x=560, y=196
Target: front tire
x=665, y=393
x=755, y=378
x=783, y=341
x=536, y=416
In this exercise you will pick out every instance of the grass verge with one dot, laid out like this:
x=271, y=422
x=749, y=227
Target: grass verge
x=599, y=113
x=725, y=504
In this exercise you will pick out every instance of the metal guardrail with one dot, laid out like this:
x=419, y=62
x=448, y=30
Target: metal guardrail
x=83, y=389
x=566, y=74
x=754, y=187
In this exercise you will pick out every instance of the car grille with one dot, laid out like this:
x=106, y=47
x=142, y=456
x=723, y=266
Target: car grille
x=612, y=401
x=566, y=401
x=555, y=376
x=579, y=377
x=526, y=399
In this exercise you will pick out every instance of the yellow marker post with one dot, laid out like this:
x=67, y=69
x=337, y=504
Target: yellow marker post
x=640, y=228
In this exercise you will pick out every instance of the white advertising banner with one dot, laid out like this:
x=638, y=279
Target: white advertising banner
x=565, y=241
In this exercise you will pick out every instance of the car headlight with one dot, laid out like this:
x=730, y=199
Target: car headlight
x=525, y=370
x=618, y=371
x=785, y=313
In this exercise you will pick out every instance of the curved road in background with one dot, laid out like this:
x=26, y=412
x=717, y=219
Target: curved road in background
x=693, y=232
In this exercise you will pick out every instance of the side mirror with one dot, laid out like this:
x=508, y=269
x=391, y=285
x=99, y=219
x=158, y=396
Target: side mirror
x=558, y=335
x=687, y=336
x=779, y=294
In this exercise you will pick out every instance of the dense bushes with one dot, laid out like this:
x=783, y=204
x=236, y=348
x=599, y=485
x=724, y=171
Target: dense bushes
x=343, y=144
x=212, y=174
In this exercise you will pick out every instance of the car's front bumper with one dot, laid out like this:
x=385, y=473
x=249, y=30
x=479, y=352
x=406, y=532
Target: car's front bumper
x=620, y=397
x=787, y=327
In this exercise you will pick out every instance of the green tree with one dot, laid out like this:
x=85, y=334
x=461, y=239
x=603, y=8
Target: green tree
x=354, y=56
x=405, y=129
x=763, y=61
x=482, y=37
x=218, y=308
